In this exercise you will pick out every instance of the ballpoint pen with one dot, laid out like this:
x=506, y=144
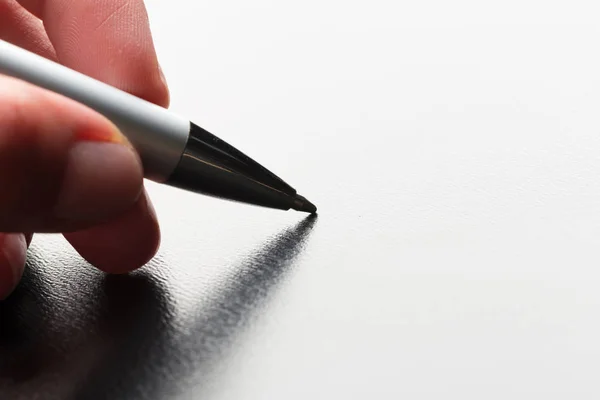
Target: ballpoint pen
x=174, y=151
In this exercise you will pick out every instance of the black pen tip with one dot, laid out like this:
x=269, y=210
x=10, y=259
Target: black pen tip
x=302, y=204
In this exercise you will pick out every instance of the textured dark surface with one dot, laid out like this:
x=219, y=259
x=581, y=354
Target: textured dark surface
x=83, y=335
x=453, y=151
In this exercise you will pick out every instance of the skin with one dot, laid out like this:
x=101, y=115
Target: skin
x=93, y=190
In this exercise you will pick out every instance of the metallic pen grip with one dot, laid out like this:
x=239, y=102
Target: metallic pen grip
x=158, y=135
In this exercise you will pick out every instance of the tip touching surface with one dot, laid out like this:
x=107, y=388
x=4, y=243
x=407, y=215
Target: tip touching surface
x=302, y=204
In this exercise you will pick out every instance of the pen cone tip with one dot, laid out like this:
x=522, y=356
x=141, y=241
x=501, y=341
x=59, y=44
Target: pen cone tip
x=302, y=204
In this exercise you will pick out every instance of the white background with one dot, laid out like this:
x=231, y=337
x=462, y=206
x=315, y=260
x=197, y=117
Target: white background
x=453, y=149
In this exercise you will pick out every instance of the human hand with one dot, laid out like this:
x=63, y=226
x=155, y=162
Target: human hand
x=63, y=167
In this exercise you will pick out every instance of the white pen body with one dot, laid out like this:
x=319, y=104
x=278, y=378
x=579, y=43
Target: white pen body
x=158, y=135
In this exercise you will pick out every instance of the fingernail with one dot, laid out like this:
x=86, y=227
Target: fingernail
x=162, y=75
x=110, y=135
x=166, y=100
x=151, y=209
x=13, y=252
x=103, y=177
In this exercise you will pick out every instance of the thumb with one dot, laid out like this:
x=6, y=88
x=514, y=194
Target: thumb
x=63, y=167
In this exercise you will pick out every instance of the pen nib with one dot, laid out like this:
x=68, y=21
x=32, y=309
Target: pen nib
x=301, y=204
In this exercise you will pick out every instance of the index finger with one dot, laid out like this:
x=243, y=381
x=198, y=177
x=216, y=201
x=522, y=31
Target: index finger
x=109, y=40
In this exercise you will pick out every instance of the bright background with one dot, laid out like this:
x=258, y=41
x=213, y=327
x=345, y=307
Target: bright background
x=453, y=149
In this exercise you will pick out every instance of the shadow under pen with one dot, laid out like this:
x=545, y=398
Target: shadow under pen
x=115, y=337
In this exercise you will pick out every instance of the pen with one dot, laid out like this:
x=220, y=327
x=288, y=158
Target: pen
x=173, y=150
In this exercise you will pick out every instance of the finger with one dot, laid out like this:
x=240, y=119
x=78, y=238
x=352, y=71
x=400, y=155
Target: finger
x=13, y=250
x=109, y=40
x=63, y=167
x=22, y=29
x=121, y=245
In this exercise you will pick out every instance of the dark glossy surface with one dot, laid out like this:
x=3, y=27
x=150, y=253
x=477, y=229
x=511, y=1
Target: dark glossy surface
x=116, y=337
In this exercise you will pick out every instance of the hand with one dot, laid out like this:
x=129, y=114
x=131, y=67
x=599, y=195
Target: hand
x=63, y=167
